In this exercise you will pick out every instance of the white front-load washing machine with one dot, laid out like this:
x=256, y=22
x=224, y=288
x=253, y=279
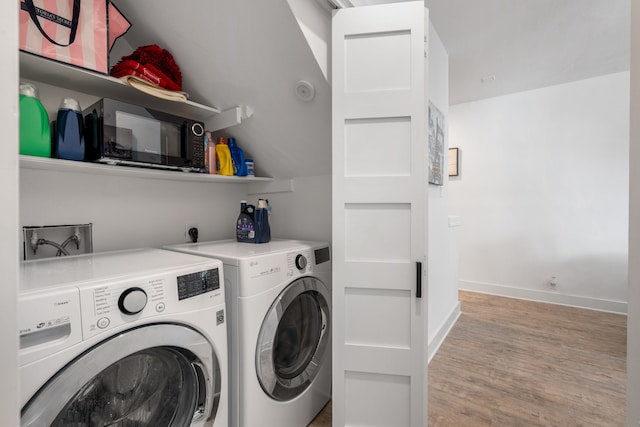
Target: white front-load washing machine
x=124, y=338
x=279, y=303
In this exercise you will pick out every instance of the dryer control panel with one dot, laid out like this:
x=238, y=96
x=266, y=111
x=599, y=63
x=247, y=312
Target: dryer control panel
x=306, y=260
x=258, y=273
x=299, y=262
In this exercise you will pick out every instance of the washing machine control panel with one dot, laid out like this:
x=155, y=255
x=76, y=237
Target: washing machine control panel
x=194, y=284
x=110, y=305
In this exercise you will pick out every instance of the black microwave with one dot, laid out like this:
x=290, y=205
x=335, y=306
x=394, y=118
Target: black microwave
x=120, y=133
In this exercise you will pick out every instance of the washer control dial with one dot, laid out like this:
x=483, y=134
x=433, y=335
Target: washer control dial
x=301, y=262
x=132, y=301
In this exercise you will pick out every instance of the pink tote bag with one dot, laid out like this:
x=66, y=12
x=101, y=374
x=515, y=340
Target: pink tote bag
x=75, y=32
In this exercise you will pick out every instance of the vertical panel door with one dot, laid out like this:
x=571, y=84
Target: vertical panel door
x=379, y=216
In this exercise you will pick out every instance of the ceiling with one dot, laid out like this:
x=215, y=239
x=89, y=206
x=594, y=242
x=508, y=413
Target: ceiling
x=497, y=47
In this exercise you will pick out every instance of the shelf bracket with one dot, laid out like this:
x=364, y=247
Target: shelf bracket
x=280, y=186
x=231, y=117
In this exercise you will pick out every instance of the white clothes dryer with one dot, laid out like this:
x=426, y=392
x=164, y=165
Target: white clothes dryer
x=125, y=338
x=279, y=303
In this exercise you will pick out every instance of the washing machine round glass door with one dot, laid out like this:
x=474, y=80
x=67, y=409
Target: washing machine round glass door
x=157, y=375
x=293, y=339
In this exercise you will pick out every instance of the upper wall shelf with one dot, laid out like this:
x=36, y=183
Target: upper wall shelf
x=42, y=163
x=53, y=73
x=57, y=74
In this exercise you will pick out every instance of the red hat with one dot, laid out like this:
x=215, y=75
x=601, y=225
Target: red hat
x=151, y=64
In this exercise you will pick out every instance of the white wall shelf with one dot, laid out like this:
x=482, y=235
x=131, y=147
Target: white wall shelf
x=42, y=163
x=54, y=73
x=73, y=78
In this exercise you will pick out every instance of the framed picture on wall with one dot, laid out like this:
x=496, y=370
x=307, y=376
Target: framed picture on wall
x=454, y=161
x=436, y=145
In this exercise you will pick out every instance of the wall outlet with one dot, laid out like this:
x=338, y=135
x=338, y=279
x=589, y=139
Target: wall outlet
x=553, y=282
x=189, y=226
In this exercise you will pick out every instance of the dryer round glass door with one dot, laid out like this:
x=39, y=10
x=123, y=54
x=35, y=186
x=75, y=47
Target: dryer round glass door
x=159, y=375
x=293, y=339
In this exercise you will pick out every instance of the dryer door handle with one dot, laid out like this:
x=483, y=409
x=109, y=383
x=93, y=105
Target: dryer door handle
x=418, y=279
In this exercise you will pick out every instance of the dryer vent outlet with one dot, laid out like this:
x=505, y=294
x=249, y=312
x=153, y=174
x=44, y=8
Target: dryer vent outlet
x=46, y=241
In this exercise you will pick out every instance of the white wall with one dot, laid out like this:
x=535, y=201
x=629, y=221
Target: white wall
x=125, y=212
x=303, y=213
x=544, y=192
x=246, y=52
x=443, y=287
x=633, y=322
x=9, y=404
x=130, y=212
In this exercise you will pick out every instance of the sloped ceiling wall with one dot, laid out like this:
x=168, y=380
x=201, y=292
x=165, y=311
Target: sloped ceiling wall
x=246, y=52
x=314, y=18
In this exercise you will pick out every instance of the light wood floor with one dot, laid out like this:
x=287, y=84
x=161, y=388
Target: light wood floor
x=514, y=363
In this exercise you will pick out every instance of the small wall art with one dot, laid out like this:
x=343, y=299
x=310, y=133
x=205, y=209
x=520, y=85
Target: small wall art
x=436, y=145
x=454, y=161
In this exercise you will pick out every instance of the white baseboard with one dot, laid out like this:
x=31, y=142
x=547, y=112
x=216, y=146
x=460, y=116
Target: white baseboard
x=552, y=297
x=443, y=331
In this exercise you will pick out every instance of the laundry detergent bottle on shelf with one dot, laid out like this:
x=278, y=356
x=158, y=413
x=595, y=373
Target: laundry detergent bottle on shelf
x=212, y=163
x=68, y=142
x=35, y=133
x=223, y=155
x=237, y=156
x=245, y=225
x=262, y=228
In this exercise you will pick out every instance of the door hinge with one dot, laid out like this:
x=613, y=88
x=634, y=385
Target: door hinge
x=426, y=46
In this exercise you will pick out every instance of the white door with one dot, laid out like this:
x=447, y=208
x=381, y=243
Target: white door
x=379, y=216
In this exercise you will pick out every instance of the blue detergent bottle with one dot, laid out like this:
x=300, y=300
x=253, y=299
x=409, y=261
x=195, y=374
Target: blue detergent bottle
x=68, y=142
x=262, y=227
x=237, y=156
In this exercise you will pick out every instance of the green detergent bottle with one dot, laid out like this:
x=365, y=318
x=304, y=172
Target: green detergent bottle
x=35, y=134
